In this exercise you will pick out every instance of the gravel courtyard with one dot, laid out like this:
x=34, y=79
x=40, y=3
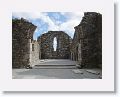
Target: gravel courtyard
x=56, y=69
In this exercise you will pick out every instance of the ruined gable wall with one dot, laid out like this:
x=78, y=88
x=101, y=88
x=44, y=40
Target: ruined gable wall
x=63, y=45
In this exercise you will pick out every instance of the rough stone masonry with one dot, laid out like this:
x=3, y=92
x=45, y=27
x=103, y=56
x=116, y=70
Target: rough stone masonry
x=22, y=36
x=85, y=47
x=63, y=45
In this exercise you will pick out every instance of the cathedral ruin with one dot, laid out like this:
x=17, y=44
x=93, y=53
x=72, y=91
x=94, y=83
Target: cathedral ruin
x=85, y=47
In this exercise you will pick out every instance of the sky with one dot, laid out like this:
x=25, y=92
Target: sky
x=51, y=21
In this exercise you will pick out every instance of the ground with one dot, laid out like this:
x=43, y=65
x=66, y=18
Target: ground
x=56, y=69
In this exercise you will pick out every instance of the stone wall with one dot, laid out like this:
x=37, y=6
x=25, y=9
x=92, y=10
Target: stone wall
x=22, y=34
x=88, y=40
x=63, y=45
x=34, y=53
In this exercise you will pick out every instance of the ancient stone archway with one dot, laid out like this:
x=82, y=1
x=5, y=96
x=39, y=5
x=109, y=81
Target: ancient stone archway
x=63, y=45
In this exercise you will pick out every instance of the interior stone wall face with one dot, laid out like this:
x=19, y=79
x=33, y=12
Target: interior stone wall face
x=89, y=35
x=22, y=33
x=34, y=53
x=63, y=45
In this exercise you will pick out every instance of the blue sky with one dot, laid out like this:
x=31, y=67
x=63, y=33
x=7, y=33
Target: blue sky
x=51, y=21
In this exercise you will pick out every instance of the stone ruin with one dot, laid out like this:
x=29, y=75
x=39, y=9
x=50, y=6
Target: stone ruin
x=85, y=47
x=63, y=45
x=22, y=37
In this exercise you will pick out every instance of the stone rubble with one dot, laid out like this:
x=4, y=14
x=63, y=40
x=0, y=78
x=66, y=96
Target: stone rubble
x=77, y=71
x=93, y=72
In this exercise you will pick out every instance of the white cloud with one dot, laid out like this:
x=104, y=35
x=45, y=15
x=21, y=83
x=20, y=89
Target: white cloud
x=73, y=19
x=43, y=16
x=73, y=15
x=68, y=27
